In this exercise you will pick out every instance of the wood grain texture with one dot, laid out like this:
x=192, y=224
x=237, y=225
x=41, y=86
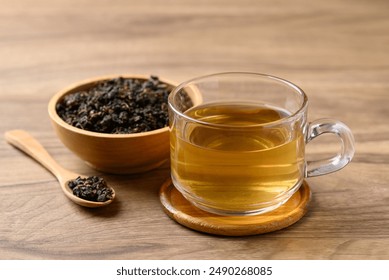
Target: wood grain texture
x=337, y=51
x=183, y=212
x=22, y=140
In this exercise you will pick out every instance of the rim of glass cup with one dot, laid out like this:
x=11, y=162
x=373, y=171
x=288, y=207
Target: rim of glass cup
x=291, y=85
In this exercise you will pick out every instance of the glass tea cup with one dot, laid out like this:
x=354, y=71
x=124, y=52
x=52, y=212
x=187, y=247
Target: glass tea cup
x=241, y=149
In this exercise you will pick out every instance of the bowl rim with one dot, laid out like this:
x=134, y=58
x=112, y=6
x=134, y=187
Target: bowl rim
x=72, y=87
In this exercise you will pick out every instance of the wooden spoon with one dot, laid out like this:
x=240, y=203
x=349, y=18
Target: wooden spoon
x=28, y=144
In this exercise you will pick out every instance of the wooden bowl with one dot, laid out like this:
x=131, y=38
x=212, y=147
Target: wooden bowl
x=112, y=153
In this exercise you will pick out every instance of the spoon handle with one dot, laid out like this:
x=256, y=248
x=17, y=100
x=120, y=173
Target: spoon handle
x=25, y=142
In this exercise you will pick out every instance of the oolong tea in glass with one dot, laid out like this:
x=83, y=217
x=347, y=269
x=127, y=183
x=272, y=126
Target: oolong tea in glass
x=241, y=151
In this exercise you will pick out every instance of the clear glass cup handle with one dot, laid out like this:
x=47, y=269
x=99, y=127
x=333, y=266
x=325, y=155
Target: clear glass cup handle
x=325, y=166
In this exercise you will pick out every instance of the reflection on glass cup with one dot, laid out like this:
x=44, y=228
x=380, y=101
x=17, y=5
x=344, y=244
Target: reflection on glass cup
x=241, y=150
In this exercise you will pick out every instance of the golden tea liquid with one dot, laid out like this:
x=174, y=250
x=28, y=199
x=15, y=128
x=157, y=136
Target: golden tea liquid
x=241, y=162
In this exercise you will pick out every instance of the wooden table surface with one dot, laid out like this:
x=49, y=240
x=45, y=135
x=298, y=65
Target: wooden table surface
x=337, y=51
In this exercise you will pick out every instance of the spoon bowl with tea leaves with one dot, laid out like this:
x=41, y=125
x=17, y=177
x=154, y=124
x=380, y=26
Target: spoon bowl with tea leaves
x=86, y=191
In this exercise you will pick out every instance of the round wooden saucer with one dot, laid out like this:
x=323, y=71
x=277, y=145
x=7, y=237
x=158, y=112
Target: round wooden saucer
x=183, y=212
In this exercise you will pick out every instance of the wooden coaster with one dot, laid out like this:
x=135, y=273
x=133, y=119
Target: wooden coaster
x=183, y=212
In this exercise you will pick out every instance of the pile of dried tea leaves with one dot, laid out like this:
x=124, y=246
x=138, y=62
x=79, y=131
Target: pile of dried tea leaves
x=91, y=188
x=120, y=105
